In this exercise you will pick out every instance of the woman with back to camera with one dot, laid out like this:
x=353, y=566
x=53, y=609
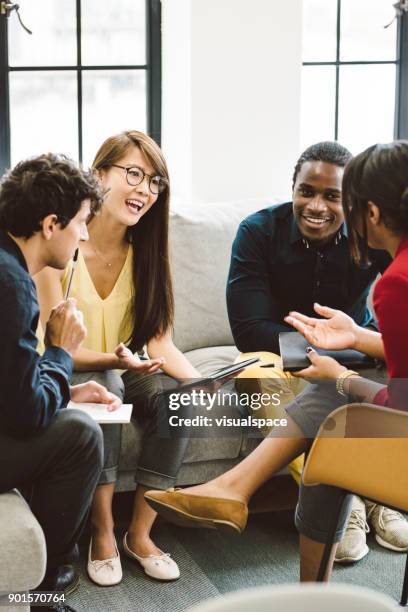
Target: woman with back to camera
x=375, y=202
x=122, y=284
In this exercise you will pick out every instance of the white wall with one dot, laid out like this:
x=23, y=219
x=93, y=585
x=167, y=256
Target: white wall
x=231, y=97
x=177, y=95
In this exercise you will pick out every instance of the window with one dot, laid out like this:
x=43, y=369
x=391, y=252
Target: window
x=90, y=69
x=354, y=75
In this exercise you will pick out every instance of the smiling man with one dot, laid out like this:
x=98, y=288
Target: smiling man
x=288, y=257
x=285, y=258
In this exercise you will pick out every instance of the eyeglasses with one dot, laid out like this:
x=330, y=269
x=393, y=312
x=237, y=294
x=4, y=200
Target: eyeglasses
x=135, y=176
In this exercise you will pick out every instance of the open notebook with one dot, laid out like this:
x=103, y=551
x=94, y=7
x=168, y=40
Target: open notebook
x=101, y=414
x=294, y=357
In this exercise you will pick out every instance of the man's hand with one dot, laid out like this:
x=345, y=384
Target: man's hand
x=65, y=327
x=94, y=393
x=336, y=331
x=127, y=361
x=322, y=368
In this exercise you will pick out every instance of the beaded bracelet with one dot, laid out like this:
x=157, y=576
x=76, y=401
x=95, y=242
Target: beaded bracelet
x=340, y=380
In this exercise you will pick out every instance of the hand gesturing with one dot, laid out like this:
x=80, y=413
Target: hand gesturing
x=334, y=332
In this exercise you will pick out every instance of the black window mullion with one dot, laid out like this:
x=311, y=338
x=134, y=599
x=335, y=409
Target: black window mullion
x=75, y=67
x=152, y=68
x=350, y=63
x=153, y=54
x=336, y=102
x=401, y=100
x=401, y=114
x=4, y=98
x=79, y=77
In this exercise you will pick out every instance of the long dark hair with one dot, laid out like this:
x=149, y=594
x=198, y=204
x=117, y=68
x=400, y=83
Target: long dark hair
x=153, y=303
x=379, y=175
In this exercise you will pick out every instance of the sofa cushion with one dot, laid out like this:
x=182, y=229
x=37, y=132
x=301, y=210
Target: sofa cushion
x=200, y=248
x=22, y=545
x=211, y=358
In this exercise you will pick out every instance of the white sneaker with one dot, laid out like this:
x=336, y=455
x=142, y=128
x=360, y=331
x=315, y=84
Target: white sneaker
x=106, y=572
x=160, y=567
x=353, y=546
x=390, y=527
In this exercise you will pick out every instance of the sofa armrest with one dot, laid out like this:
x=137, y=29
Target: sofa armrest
x=22, y=545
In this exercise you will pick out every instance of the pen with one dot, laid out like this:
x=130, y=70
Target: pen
x=74, y=262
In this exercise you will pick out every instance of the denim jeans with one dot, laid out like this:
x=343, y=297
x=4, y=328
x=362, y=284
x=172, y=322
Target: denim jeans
x=162, y=453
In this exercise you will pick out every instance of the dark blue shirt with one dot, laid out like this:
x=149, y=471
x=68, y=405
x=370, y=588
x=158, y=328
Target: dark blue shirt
x=32, y=388
x=274, y=269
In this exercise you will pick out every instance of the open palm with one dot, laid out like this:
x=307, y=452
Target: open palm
x=127, y=361
x=335, y=331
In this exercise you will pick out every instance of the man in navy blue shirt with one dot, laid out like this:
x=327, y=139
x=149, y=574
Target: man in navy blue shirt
x=54, y=454
x=294, y=257
x=290, y=256
x=285, y=258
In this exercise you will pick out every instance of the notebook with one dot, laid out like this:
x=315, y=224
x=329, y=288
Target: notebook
x=294, y=357
x=101, y=414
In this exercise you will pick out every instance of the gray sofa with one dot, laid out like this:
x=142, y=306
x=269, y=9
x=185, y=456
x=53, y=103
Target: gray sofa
x=22, y=549
x=200, y=238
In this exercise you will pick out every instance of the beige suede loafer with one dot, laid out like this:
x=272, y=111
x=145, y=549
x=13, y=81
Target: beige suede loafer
x=198, y=510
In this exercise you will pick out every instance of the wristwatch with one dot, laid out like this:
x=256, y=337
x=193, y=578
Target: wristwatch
x=340, y=380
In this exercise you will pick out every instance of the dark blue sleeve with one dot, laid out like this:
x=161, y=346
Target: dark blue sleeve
x=33, y=388
x=255, y=316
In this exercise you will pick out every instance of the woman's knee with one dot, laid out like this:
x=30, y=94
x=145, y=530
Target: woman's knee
x=111, y=380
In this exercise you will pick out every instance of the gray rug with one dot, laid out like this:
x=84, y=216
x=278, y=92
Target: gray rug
x=212, y=562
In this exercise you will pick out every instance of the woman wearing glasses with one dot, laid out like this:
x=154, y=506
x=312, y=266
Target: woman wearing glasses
x=122, y=284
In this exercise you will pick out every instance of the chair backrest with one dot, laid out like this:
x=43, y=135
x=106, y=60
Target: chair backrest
x=363, y=448
x=296, y=597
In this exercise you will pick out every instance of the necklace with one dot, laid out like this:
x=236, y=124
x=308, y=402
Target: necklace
x=108, y=264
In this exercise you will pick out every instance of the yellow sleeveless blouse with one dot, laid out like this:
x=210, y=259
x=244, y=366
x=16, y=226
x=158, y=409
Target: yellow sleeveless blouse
x=108, y=321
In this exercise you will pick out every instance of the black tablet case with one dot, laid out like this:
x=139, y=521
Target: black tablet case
x=294, y=357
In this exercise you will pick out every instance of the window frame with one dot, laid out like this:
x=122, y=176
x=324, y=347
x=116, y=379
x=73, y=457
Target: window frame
x=401, y=63
x=401, y=106
x=152, y=67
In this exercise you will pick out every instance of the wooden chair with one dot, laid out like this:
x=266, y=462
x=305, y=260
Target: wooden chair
x=361, y=449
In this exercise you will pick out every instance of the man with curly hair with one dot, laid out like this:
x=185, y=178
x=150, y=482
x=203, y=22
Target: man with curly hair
x=53, y=455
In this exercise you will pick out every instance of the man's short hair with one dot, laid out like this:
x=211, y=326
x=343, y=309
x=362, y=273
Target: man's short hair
x=41, y=186
x=328, y=152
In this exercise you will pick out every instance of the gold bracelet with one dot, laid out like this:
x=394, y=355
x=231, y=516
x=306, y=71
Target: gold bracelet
x=340, y=380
